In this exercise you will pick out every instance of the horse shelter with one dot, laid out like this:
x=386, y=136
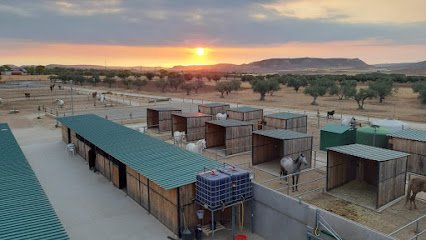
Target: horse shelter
x=160, y=117
x=368, y=176
x=230, y=136
x=332, y=135
x=251, y=114
x=213, y=108
x=270, y=146
x=159, y=176
x=193, y=124
x=411, y=141
x=285, y=120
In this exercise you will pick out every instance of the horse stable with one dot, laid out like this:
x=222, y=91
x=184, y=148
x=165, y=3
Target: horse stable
x=213, y=108
x=159, y=176
x=193, y=124
x=368, y=176
x=285, y=120
x=269, y=146
x=160, y=117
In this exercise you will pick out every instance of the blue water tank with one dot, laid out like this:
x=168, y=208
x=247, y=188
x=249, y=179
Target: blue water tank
x=213, y=188
x=241, y=183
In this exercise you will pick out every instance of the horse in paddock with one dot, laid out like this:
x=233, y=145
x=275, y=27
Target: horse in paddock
x=416, y=185
x=197, y=147
x=290, y=166
x=27, y=95
x=178, y=137
x=330, y=114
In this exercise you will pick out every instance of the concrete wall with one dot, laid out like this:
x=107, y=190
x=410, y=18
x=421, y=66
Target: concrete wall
x=278, y=216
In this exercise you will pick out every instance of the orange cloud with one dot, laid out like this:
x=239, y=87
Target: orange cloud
x=371, y=51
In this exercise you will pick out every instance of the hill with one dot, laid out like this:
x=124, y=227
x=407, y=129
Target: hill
x=417, y=68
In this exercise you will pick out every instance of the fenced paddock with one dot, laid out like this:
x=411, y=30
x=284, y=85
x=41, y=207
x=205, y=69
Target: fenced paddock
x=229, y=136
x=285, y=120
x=213, y=108
x=193, y=124
x=160, y=117
x=269, y=146
x=369, y=176
x=411, y=141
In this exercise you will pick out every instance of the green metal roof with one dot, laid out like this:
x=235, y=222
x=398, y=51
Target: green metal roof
x=191, y=114
x=285, y=115
x=25, y=210
x=368, y=152
x=281, y=134
x=165, y=164
x=244, y=109
x=214, y=104
x=372, y=130
x=164, y=109
x=230, y=123
x=335, y=128
x=411, y=134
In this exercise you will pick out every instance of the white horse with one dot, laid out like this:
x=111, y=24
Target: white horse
x=178, y=137
x=290, y=166
x=197, y=147
x=221, y=116
x=60, y=102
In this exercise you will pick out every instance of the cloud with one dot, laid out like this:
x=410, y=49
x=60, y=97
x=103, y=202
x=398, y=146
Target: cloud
x=259, y=16
x=359, y=11
x=87, y=8
x=15, y=10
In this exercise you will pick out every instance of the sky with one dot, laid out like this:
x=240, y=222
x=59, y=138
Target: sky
x=168, y=32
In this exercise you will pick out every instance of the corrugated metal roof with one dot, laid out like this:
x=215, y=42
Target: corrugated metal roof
x=191, y=114
x=214, y=104
x=411, y=134
x=372, y=130
x=285, y=115
x=25, y=210
x=230, y=123
x=335, y=128
x=281, y=134
x=244, y=109
x=369, y=152
x=164, y=109
x=165, y=164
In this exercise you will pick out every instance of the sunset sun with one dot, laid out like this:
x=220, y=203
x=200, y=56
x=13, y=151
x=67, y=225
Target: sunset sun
x=199, y=51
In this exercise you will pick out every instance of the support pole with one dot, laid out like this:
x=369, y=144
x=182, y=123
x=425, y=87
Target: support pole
x=233, y=222
x=212, y=225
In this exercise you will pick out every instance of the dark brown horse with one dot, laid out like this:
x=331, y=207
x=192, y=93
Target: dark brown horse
x=416, y=185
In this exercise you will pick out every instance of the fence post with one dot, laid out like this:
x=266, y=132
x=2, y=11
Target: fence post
x=315, y=159
x=417, y=228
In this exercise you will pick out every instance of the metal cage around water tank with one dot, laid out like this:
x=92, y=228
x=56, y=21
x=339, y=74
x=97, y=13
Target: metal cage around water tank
x=241, y=183
x=213, y=189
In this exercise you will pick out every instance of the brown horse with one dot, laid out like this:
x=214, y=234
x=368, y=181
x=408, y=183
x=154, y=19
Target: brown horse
x=416, y=185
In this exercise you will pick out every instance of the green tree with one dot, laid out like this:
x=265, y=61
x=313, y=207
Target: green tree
x=78, y=79
x=149, y=75
x=175, y=80
x=362, y=95
x=247, y=78
x=345, y=89
x=221, y=87
x=188, y=87
x=198, y=84
x=109, y=80
x=382, y=87
x=139, y=83
x=95, y=80
x=187, y=76
x=420, y=88
x=40, y=69
x=235, y=85
x=274, y=85
x=296, y=82
x=127, y=82
x=316, y=89
x=216, y=77
x=263, y=86
x=163, y=73
x=162, y=84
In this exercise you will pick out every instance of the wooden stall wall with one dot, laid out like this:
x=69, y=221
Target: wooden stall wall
x=64, y=134
x=213, y=110
x=341, y=169
x=215, y=135
x=265, y=149
x=293, y=124
x=256, y=115
x=163, y=206
x=392, y=177
x=196, y=127
x=293, y=147
x=133, y=185
x=151, y=118
x=238, y=139
x=178, y=124
x=417, y=150
x=160, y=119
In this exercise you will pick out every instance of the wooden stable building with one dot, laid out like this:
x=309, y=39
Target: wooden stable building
x=411, y=141
x=157, y=175
x=231, y=136
x=369, y=176
x=272, y=145
x=160, y=117
x=285, y=120
x=193, y=124
x=213, y=108
x=245, y=114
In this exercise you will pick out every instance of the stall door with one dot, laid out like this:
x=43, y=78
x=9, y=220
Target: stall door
x=115, y=176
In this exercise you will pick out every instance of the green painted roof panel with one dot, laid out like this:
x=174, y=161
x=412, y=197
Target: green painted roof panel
x=411, y=134
x=335, y=128
x=191, y=114
x=167, y=165
x=214, y=104
x=164, y=109
x=372, y=130
x=25, y=210
x=230, y=123
x=368, y=152
x=244, y=109
x=281, y=134
x=285, y=115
